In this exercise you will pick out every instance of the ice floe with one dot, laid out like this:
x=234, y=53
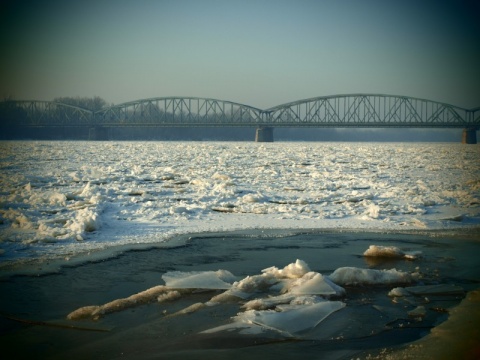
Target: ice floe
x=286, y=301
x=292, y=271
x=293, y=319
x=391, y=252
x=358, y=276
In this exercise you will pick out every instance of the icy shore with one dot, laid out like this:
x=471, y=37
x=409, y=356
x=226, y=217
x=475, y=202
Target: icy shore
x=62, y=198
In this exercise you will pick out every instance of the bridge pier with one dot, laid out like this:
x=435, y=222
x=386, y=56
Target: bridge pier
x=469, y=136
x=98, y=133
x=264, y=134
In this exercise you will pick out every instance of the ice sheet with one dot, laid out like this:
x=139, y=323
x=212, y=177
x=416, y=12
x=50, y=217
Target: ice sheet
x=313, y=283
x=220, y=279
x=292, y=320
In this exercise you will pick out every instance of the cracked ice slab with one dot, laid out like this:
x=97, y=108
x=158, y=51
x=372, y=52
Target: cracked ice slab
x=294, y=319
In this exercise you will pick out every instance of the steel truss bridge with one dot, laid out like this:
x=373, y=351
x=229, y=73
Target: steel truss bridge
x=352, y=110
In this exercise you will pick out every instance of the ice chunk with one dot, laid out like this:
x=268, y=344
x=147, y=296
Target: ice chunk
x=383, y=251
x=169, y=296
x=295, y=319
x=313, y=283
x=249, y=198
x=398, y=292
x=218, y=176
x=358, y=276
x=228, y=296
x=226, y=276
x=418, y=312
x=241, y=328
x=295, y=278
x=85, y=221
x=94, y=312
x=303, y=300
x=248, y=286
x=189, y=309
x=291, y=271
x=84, y=312
x=252, y=284
x=390, y=252
x=373, y=211
x=198, y=279
x=269, y=303
x=57, y=198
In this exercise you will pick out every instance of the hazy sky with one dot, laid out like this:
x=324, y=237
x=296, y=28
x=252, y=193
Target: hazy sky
x=261, y=53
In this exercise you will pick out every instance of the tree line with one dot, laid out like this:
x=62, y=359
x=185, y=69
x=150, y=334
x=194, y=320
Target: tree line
x=90, y=103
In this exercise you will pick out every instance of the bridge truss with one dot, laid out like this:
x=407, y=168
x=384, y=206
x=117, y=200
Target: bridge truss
x=362, y=110
x=354, y=110
x=179, y=111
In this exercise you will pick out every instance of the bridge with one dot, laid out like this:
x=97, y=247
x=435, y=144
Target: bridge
x=346, y=111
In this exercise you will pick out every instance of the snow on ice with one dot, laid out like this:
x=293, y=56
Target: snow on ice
x=84, y=196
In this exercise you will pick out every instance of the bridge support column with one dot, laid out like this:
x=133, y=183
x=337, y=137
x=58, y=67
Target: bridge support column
x=264, y=134
x=98, y=133
x=469, y=136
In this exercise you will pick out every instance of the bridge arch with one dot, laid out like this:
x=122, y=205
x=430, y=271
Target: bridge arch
x=371, y=110
x=179, y=111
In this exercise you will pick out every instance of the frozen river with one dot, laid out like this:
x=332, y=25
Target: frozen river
x=380, y=230
x=63, y=198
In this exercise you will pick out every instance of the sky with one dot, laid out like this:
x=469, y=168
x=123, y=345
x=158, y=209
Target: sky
x=256, y=52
